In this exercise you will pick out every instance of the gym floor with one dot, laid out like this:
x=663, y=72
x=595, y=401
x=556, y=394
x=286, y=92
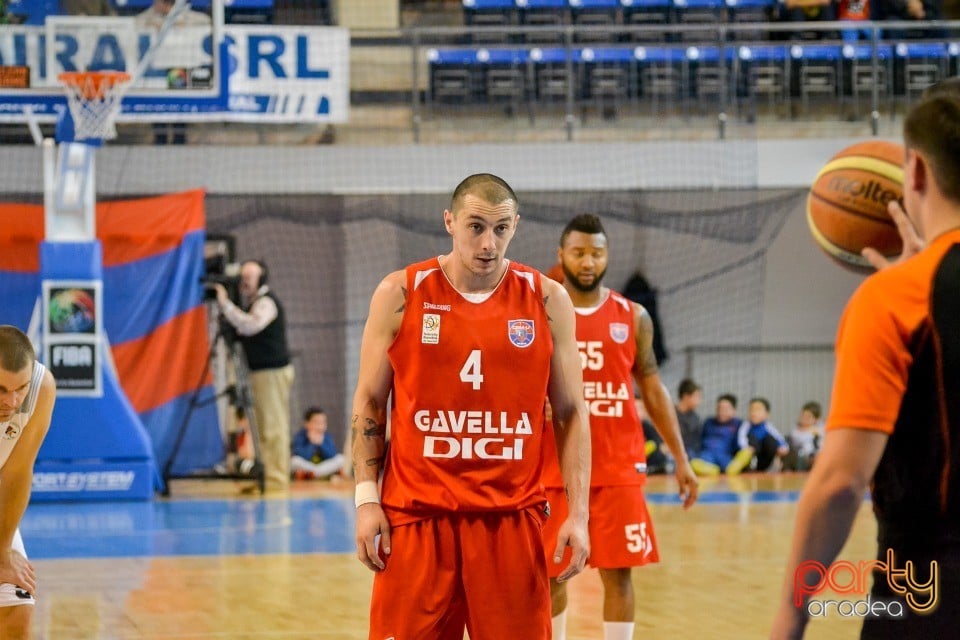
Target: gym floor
x=208, y=563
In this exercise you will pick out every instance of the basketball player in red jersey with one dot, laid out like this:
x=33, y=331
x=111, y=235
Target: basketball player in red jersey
x=468, y=346
x=615, y=338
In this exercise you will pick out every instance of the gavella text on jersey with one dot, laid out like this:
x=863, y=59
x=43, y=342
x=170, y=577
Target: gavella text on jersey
x=484, y=423
x=605, y=399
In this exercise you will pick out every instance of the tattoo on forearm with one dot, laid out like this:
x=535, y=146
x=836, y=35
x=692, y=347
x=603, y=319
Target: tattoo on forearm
x=650, y=363
x=402, y=306
x=374, y=429
x=645, y=354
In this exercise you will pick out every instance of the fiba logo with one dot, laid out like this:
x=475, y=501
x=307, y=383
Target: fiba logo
x=72, y=311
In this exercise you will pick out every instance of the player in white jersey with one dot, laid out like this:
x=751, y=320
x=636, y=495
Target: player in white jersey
x=27, y=393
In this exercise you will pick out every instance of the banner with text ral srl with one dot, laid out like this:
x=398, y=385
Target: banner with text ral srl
x=289, y=73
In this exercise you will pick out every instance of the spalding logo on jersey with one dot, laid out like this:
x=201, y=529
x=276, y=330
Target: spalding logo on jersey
x=619, y=332
x=521, y=332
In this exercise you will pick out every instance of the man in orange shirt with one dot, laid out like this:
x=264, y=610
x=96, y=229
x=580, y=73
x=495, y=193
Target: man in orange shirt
x=894, y=423
x=467, y=347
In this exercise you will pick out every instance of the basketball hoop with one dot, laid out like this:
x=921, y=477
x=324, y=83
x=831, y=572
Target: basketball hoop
x=94, y=100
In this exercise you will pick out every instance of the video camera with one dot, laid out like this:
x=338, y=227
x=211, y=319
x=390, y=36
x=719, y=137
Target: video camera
x=220, y=267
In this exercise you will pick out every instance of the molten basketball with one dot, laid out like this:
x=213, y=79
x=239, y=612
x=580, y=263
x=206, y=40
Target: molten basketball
x=847, y=205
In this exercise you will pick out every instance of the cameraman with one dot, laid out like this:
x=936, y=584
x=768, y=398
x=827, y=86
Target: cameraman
x=262, y=331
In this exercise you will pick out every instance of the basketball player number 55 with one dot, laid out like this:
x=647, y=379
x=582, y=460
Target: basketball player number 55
x=591, y=354
x=636, y=537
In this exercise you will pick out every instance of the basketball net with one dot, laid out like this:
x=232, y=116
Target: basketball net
x=94, y=100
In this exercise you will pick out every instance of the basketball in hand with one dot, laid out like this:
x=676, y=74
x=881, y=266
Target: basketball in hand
x=847, y=205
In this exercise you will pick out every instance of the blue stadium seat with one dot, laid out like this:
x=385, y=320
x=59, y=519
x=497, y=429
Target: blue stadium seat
x=815, y=72
x=544, y=13
x=453, y=76
x=607, y=78
x=662, y=76
x=493, y=76
x=917, y=65
x=699, y=12
x=490, y=15
x=648, y=13
x=762, y=72
x=750, y=11
x=596, y=13
x=554, y=76
x=861, y=78
x=709, y=78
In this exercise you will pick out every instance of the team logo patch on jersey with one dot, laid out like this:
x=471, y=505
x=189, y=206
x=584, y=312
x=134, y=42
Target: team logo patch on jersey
x=521, y=332
x=431, y=329
x=11, y=431
x=619, y=332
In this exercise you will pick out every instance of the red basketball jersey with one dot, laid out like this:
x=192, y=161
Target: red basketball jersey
x=469, y=384
x=608, y=348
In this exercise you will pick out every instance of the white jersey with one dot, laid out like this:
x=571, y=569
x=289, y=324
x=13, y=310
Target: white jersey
x=11, y=430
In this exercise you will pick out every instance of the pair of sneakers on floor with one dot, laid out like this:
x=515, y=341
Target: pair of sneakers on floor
x=740, y=462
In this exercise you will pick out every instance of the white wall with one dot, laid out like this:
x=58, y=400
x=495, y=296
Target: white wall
x=805, y=291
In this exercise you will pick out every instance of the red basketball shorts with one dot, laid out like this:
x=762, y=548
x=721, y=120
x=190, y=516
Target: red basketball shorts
x=483, y=572
x=621, y=531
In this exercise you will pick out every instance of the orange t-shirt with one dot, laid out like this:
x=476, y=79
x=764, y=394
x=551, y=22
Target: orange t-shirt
x=898, y=372
x=874, y=342
x=469, y=389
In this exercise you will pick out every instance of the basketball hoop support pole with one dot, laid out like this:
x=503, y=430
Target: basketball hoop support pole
x=69, y=178
x=92, y=408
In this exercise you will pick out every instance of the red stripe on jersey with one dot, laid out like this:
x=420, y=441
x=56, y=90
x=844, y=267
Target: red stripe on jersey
x=469, y=385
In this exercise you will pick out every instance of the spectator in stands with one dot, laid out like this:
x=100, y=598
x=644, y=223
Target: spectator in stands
x=313, y=452
x=909, y=10
x=760, y=438
x=806, y=439
x=691, y=425
x=719, y=444
x=807, y=11
x=854, y=11
x=154, y=17
x=87, y=8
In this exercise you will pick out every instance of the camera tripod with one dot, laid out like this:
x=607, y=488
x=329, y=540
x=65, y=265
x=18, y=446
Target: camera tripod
x=239, y=396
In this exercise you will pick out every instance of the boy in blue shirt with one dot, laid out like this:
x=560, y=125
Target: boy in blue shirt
x=313, y=452
x=760, y=437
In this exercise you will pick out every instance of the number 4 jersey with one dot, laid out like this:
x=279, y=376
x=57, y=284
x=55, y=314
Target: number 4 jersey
x=469, y=388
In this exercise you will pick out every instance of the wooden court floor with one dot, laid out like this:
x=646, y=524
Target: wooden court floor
x=208, y=564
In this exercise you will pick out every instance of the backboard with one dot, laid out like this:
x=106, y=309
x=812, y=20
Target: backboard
x=176, y=64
